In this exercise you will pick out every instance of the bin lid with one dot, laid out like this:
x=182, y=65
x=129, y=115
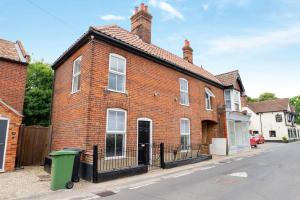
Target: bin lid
x=63, y=152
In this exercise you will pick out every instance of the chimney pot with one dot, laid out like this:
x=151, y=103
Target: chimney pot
x=136, y=9
x=141, y=23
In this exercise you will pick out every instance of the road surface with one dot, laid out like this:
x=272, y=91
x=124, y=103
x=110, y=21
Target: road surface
x=272, y=175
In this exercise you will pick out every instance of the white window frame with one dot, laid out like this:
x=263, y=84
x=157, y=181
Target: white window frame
x=114, y=132
x=184, y=134
x=116, y=72
x=226, y=98
x=184, y=91
x=208, y=101
x=5, y=145
x=76, y=75
x=236, y=101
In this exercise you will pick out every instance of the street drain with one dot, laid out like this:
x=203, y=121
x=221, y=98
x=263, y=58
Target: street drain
x=106, y=193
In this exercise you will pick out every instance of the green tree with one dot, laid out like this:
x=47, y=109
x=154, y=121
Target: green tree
x=295, y=101
x=267, y=96
x=251, y=100
x=38, y=94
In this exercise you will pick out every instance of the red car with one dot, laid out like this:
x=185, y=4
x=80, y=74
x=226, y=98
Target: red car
x=260, y=139
x=253, y=141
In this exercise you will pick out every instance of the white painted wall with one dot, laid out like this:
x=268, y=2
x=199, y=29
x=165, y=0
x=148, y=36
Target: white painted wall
x=254, y=120
x=264, y=122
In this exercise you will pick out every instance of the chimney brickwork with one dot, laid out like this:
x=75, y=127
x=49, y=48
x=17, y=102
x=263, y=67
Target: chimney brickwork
x=141, y=23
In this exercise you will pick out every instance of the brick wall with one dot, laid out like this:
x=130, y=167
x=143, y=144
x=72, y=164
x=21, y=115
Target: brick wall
x=80, y=119
x=12, y=140
x=12, y=84
x=69, y=112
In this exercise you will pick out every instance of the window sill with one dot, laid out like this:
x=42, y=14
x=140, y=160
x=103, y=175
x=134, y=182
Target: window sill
x=187, y=105
x=122, y=92
x=75, y=92
x=115, y=157
x=209, y=110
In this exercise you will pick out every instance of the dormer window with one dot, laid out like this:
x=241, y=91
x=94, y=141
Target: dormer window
x=208, y=99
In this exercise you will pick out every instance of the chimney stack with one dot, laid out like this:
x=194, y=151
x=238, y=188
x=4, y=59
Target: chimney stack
x=187, y=52
x=141, y=23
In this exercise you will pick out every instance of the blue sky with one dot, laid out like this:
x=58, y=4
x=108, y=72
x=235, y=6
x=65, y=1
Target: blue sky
x=261, y=38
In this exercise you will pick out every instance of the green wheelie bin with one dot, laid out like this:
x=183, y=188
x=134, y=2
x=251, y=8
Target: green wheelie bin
x=62, y=169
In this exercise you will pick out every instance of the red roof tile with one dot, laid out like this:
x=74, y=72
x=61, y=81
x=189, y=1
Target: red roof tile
x=133, y=40
x=270, y=106
x=13, y=51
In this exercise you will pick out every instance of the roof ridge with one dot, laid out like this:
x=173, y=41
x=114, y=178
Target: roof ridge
x=268, y=101
x=236, y=70
x=7, y=40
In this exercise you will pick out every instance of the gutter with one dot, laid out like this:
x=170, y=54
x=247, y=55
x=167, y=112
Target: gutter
x=102, y=37
x=14, y=61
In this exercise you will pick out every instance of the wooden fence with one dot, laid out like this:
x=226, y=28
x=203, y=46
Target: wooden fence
x=33, y=145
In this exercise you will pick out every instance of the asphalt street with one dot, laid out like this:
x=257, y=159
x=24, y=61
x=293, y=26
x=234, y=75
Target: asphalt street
x=272, y=175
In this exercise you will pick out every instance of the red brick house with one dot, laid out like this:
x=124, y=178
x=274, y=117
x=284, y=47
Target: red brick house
x=13, y=70
x=113, y=85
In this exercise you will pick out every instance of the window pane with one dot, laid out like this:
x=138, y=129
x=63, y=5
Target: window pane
x=110, y=145
x=227, y=94
x=228, y=104
x=78, y=82
x=183, y=85
x=112, y=119
x=76, y=66
x=185, y=142
x=120, y=121
x=75, y=84
x=120, y=83
x=184, y=98
x=121, y=65
x=184, y=126
x=113, y=63
x=119, y=144
x=112, y=82
x=207, y=101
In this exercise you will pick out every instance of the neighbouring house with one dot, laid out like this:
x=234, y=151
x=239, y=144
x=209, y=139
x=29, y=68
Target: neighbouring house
x=114, y=88
x=13, y=70
x=274, y=119
x=238, y=138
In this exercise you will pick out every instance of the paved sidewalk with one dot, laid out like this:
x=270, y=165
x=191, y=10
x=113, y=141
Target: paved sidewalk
x=29, y=185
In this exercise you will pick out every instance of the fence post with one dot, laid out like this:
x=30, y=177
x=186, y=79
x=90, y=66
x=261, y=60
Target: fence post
x=95, y=163
x=162, y=155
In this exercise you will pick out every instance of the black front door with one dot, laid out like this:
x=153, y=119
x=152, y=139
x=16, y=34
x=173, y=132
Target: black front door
x=3, y=129
x=144, y=142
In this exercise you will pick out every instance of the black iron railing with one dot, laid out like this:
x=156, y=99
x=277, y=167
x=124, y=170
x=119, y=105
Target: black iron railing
x=178, y=152
x=108, y=160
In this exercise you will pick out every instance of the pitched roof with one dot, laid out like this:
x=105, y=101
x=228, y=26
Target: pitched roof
x=231, y=79
x=270, y=106
x=228, y=78
x=117, y=33
x=134, y=40
x=13, y=51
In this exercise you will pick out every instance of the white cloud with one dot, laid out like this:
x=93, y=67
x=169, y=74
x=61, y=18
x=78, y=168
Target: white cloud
x=205, y=7
x=235, y=44
x=171, y=12
x=112, y=17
